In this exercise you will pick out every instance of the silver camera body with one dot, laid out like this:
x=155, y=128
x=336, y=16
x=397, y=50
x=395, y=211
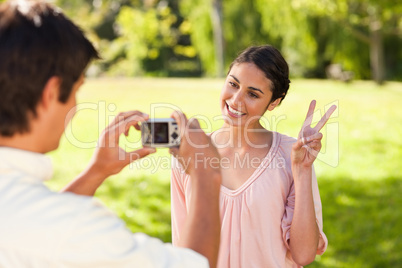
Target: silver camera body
x=160, y=132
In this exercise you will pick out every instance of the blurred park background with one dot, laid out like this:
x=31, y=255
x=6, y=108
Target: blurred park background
x=163, y=54
x=171, y=38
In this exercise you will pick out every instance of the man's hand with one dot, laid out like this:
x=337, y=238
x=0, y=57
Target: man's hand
x=196, y=151
x=109, y=158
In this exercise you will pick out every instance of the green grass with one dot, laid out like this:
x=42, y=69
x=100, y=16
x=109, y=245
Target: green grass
x=359, y=172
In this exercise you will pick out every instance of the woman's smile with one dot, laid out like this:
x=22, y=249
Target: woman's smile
x=233, y=112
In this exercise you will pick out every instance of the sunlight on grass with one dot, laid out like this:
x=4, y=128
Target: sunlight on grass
x=358, y=171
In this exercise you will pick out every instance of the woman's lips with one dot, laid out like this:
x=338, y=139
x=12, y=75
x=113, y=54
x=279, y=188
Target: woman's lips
x=233, y=112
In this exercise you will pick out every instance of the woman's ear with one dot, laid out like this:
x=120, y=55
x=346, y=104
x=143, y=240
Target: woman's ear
x=273, y=104
x=50, y=92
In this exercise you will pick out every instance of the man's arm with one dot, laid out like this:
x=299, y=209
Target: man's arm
x=109, y=158
x=202, y=229
x=197, y=154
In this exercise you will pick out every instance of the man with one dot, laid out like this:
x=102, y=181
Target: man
x=43, y=56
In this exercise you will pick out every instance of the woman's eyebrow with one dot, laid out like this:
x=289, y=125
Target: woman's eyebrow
x=256, y=89
x=252, y=88
x=234, y=77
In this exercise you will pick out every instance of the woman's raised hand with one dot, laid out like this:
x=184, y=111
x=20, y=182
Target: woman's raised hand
x=308, y=144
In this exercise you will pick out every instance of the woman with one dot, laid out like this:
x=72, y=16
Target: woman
x=269, y=202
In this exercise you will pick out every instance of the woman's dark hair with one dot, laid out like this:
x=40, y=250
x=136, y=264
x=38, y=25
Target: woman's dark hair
x=270, y=61
x=36, y=42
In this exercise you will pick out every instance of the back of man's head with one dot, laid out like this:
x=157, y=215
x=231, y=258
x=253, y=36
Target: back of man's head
x=36, y=42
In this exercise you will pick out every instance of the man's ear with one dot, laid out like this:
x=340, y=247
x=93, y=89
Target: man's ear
x=273, y=104
x=50, y=92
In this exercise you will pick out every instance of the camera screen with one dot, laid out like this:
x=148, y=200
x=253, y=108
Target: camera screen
x=160, y=132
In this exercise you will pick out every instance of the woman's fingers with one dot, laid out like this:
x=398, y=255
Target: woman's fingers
x=308, y=145
x=306, y=127
x=313, y=148
x=325, y=118
x=310, y=113
x=311, y=138
x=307, y=130
x=311, y=143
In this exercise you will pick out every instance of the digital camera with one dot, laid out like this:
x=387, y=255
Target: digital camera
x=160, y=132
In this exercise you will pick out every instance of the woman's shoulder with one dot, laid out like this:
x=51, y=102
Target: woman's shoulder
x=285, y=138
x=284, y=143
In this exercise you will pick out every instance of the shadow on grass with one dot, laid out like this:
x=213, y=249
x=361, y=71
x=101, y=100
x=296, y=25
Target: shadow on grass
x=362, y=220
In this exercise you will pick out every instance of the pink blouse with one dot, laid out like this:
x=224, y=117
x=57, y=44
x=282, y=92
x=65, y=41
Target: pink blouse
x=256, y=217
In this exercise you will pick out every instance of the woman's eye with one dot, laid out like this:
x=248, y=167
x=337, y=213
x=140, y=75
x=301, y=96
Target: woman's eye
x=255, y=96
x=232, y=84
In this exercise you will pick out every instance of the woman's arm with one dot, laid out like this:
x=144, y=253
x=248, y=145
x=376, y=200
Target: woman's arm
x=304, y=232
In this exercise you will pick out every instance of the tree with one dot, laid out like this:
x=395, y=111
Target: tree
x=190, y=37
x=220, y=29
x=366, y=20
x=217, y=25
x=142, y=34
x=197, y=14
x=285, y=23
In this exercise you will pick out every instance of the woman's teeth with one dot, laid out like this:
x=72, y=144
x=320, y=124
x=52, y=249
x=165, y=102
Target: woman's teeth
x=234, y=111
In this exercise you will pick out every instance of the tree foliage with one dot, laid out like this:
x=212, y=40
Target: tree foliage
x=172, y=37
x=198, y=13
x=361, y=28
x=287, y=23
x=142, y=33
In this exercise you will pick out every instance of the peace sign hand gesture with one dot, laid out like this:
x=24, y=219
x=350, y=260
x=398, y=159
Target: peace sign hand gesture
x=308, y=144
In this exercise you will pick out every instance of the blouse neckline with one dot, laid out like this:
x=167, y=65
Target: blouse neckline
x=257, y=172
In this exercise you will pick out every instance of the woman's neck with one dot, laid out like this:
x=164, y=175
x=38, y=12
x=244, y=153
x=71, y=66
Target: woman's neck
x=239, y=137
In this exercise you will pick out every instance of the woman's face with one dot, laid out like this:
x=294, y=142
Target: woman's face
x=246, y=95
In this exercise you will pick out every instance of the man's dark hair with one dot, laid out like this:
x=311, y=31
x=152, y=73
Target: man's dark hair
x=36, y=42
x=271, y=62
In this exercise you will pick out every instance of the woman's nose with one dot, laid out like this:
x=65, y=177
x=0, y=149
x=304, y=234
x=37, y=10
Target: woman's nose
x=237, y=98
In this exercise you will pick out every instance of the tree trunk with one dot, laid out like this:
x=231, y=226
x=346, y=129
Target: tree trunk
x=217, y=19
x=376, y=51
